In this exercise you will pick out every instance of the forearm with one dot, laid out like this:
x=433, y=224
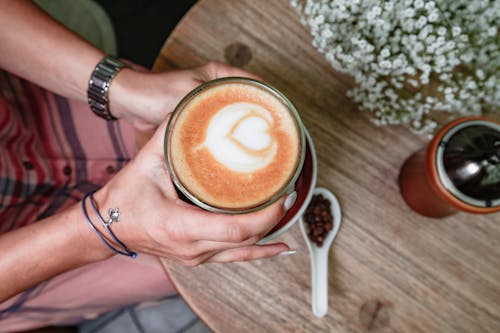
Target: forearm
x=47, y=248
x=40, y=50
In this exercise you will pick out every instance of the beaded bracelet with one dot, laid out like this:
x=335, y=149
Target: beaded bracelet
x=126, y=251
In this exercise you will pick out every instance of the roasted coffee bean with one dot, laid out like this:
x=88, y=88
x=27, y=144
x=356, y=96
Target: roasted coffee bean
x=318, y=218
x=318, y=231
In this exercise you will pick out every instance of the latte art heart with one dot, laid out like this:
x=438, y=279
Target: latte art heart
x=235, y=145
x=252, y=132
x=239, y=136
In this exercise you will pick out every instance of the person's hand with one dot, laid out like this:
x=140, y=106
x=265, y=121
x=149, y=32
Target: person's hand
x=154, y=220
x=145, y=98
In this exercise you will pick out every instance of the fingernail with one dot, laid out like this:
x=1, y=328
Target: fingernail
x=290, y=200
x=287, y=253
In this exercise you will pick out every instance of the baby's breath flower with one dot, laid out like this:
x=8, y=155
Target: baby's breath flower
x=395, y=48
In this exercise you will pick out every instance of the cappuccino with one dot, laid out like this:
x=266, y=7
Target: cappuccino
x=234, y=144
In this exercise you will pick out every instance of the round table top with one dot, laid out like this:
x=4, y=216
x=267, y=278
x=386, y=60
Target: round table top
x=390, y=269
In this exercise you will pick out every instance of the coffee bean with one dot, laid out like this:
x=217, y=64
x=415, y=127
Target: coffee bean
x=318, y=218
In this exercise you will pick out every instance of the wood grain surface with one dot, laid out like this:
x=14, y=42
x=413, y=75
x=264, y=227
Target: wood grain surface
x=390, y=270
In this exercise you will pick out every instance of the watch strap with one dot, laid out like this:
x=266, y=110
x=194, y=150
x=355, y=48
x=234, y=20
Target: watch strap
x=99, y=82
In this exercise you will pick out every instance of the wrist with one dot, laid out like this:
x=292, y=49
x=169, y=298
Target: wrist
x=142, y=98
x=122, y=99
x=103, y=212
x=92, y=245
x=130, y=98
x=98, y=86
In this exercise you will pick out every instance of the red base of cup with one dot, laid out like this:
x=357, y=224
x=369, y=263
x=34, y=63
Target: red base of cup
x=304, y=186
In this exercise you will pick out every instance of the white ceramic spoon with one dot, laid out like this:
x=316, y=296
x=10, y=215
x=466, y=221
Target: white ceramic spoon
x=319, y=256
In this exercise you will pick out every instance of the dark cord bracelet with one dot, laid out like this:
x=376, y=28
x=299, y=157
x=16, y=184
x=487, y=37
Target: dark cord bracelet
x=126, y=251
x=108, y=229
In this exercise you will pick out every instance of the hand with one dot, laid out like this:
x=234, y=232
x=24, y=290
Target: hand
x=154, y=220
x=145, y=99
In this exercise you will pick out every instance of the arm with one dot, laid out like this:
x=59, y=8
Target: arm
x=39, y=251
x=153, y=221
x=40, y=50
x=37, y=48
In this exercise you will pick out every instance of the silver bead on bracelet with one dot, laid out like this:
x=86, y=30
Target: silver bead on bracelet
x=114, y=216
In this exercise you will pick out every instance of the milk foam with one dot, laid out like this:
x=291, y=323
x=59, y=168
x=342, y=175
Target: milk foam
x=235, y=145
x=239, y=137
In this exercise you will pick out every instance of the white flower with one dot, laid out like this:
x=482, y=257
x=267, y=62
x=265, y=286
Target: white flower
x=480, y=74
x=421, y=22
x=397, y=63
x=389, y=46
x=385, y=53
x=455, y=31
x=441, y=61
x=430, y=40
x=471, y=85
x=430, y=5
x=409, y=12
x=434, y=16
x=385, y=64
x=450, y=45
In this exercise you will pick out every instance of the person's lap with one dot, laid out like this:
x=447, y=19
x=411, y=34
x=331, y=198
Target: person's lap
x=90, y=290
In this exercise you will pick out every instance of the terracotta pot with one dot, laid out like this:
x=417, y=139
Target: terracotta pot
x=430, y=188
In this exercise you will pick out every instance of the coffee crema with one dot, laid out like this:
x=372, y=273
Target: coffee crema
x=235, y=145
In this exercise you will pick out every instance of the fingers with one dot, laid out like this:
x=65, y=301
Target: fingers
x=213, y=246
x=247, y=253
x=202, y=225
x=214, y=70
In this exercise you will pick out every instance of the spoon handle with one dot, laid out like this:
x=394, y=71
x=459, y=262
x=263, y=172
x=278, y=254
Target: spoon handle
x=319, y=276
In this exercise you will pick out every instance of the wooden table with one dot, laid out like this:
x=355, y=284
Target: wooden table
x=390, y=269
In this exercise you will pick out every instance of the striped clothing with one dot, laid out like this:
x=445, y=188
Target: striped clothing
x=53, y=151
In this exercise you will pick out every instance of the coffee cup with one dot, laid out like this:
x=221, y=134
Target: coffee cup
x=234, y=145
x=304, y=186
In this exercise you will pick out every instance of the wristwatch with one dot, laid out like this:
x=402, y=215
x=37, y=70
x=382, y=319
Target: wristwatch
x=97, y=92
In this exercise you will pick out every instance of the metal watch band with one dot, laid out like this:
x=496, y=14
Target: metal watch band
x=97, y=92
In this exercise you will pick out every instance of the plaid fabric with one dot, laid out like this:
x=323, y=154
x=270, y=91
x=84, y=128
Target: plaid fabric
x=52, y=151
